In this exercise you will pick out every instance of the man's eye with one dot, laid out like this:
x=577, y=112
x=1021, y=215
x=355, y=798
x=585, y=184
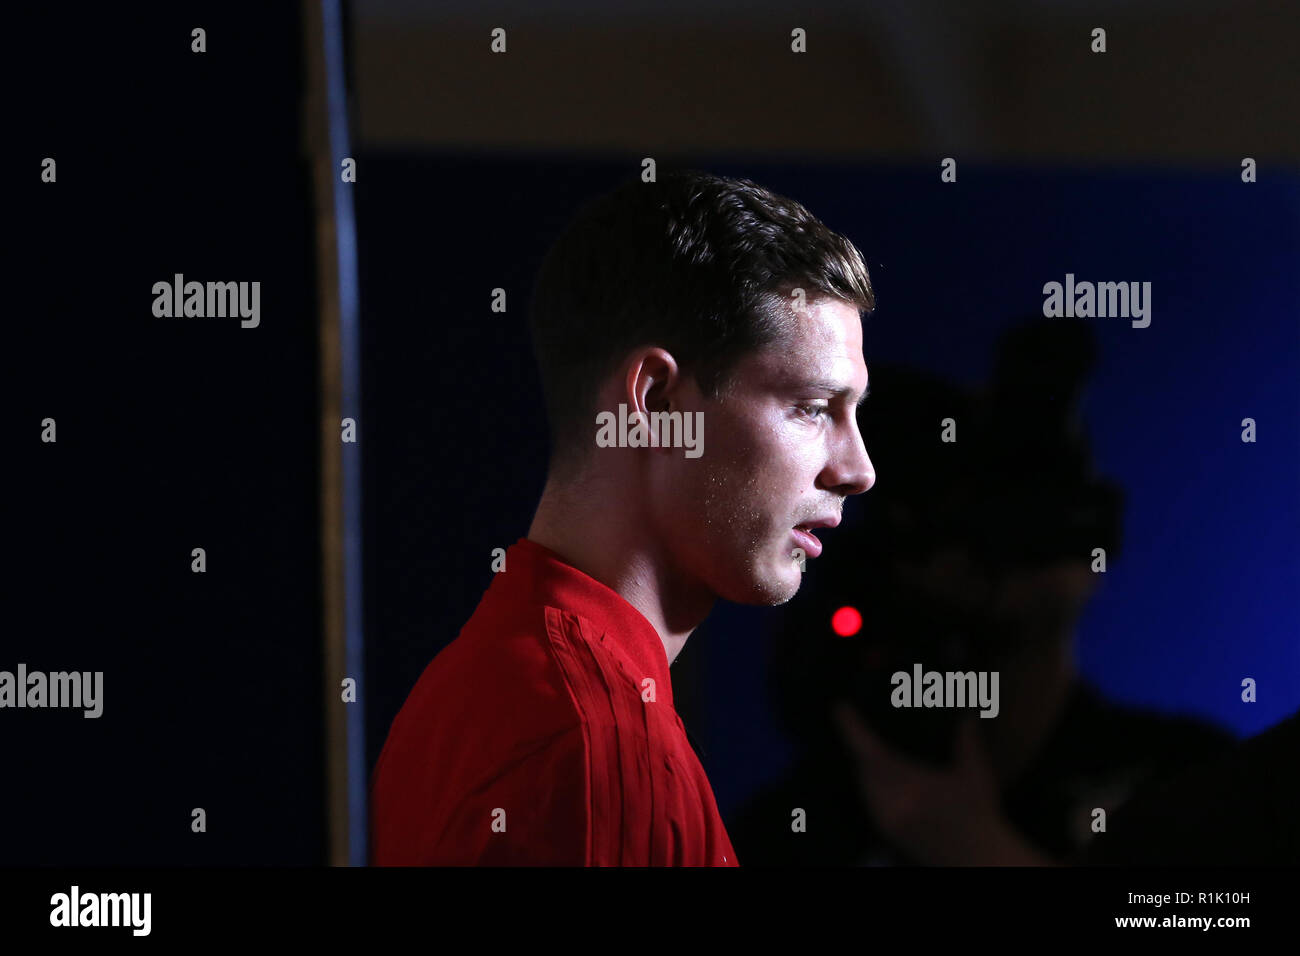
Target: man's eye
x=814, y=411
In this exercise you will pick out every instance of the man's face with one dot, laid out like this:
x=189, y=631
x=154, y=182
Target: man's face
x=781, y=449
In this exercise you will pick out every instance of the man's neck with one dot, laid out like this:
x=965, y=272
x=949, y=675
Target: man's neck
x=589, y=529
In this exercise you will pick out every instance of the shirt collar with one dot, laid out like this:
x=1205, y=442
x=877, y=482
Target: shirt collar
x=545, y=578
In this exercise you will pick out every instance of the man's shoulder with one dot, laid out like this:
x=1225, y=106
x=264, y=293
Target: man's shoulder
x=502, y=670
x=518, y=680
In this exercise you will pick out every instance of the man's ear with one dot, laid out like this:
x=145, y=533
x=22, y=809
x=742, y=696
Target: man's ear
x=653, y=376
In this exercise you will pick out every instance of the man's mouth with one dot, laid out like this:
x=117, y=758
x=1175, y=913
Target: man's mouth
x=805, y=539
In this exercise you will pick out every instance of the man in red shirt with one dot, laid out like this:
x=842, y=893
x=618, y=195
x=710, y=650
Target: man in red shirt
x=545, y=733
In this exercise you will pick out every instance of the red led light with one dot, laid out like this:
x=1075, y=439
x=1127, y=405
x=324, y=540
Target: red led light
x=846, y=621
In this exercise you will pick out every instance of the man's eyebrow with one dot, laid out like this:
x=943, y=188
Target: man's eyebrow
x=840, y=391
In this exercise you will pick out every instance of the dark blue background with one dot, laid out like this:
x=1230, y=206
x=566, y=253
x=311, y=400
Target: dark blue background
x=1206, y=591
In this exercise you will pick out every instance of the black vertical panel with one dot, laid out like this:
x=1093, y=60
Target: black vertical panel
x=173, y=434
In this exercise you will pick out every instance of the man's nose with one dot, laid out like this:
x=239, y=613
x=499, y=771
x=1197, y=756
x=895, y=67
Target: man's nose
x=868, y=474
x=856, y=473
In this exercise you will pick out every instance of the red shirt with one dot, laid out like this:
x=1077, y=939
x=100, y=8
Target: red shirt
x=545, y=735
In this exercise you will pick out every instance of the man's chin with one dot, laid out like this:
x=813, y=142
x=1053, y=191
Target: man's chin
x=776, y=587
x=786, y=593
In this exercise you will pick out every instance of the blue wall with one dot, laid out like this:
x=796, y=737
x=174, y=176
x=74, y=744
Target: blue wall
x=1207, y=590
